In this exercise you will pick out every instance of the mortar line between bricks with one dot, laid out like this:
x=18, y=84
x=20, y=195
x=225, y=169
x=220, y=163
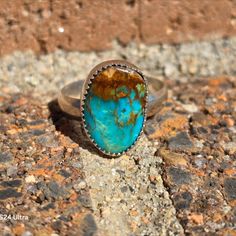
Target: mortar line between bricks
x=140, y=18
x=226, y=70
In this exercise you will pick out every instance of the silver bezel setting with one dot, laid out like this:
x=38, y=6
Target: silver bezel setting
x=87, y=84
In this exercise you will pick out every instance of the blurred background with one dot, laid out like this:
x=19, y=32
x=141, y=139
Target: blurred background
x=86, y=25
x=175, y=39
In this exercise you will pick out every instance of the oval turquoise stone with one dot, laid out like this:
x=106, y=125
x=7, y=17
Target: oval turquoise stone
x=114, y=109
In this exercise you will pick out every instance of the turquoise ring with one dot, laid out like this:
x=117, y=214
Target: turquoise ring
x=113, y=103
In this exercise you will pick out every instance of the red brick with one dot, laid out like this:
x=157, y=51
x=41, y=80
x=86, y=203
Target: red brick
x=88, y=25
x=184, y=20
x=94, y=25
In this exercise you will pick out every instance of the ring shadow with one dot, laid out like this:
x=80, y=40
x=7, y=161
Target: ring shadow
x=71, y=127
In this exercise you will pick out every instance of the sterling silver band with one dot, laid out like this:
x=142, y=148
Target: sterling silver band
x=70, y=95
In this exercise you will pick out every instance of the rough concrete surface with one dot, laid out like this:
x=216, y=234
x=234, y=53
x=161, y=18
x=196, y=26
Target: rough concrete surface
x=179, y=178
x=125, y=198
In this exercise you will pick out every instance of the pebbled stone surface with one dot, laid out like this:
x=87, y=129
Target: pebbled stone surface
x=50, y=173
x=199, y=157
x=47, y=165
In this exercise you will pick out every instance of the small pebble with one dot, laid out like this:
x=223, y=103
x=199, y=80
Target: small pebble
x=30, y=179
x=12, y=171
x=80, y=185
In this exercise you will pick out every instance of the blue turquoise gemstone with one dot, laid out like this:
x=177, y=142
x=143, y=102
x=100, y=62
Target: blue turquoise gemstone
x=114, y=109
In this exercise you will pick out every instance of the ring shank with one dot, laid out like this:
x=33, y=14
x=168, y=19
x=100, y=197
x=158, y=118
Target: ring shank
x=69, y=96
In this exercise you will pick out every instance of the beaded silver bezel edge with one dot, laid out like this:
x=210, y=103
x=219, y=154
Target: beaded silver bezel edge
x=87, y=84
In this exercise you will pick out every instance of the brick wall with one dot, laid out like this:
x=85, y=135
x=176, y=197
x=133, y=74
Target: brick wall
x=85, y=25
